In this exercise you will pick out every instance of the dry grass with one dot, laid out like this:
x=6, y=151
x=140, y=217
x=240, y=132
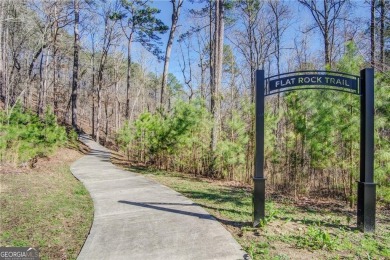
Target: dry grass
x=45, y=207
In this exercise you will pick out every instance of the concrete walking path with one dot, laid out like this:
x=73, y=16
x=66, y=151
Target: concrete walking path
x=137, y=218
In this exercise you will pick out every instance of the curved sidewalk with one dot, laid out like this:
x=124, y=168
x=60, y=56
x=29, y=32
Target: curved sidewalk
x=137, y=218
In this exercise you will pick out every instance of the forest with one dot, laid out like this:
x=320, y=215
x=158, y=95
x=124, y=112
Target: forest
x=171, y=84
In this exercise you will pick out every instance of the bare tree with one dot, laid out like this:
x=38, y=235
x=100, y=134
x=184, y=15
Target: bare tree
x=50, y=19
x=109, y=36
x=372, y=33
x=251, y=9
x=254, y=39
x=93, y=82
x=326, y=17
x=42, y=88
x=76, y=48
x=176, y=6
x=280, y=13
x=202, y=52
x=382, y=33
x=186, y=62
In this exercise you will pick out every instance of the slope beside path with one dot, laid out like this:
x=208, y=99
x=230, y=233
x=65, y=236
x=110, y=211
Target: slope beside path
x=137, y=218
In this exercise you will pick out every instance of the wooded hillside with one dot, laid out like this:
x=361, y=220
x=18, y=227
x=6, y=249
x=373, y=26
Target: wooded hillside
x=93, y=63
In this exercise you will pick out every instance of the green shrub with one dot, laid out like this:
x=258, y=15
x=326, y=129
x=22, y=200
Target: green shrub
x=161, y=134
x=316, y=238
x=24, y=136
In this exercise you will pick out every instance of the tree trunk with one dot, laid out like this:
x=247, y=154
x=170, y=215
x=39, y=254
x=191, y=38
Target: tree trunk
x=175, y=18
x=93, y=114
x=99, y=91
x=211, y=54
x=93, y=88
x=117, y=110
x=382, y=35
x=99, y=112
x=218, y=59
x=372, y=33
x=326, y=34
x=76, y=47
x=2, y=47
x=130, y=40
x=202, y=80
x=106, y=116
x=5, y=72
x=203, y=68
x=277, y=10
x=43, y=83
x=251, y=61
x=99, y=94
x=116, y=102
x=55, y=49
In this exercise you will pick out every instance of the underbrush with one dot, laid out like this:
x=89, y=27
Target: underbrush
x=24, y=136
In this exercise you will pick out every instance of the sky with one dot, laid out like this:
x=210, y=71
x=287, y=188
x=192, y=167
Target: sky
x=301, y=18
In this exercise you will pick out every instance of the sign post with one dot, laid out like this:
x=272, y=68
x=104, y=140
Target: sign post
x=259, y=180
x=366, y=201
x=329, y=80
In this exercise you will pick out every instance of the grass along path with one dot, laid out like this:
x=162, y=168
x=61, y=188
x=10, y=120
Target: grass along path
x=45, y=207
x=292, y=231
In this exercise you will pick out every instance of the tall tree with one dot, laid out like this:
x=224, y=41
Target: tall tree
x=76, y=47
x=139, y=24
x=217, y=60
x=176, y=6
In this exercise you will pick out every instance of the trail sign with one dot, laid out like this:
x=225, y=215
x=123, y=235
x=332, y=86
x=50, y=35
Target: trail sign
x=313, y=80
x=330, y=80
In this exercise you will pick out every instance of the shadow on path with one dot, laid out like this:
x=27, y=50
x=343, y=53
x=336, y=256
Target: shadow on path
x=152, y=206
x=109, y=237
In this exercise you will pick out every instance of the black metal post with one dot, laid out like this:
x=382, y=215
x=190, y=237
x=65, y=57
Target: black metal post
x=366, y=203
x=259, y=180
